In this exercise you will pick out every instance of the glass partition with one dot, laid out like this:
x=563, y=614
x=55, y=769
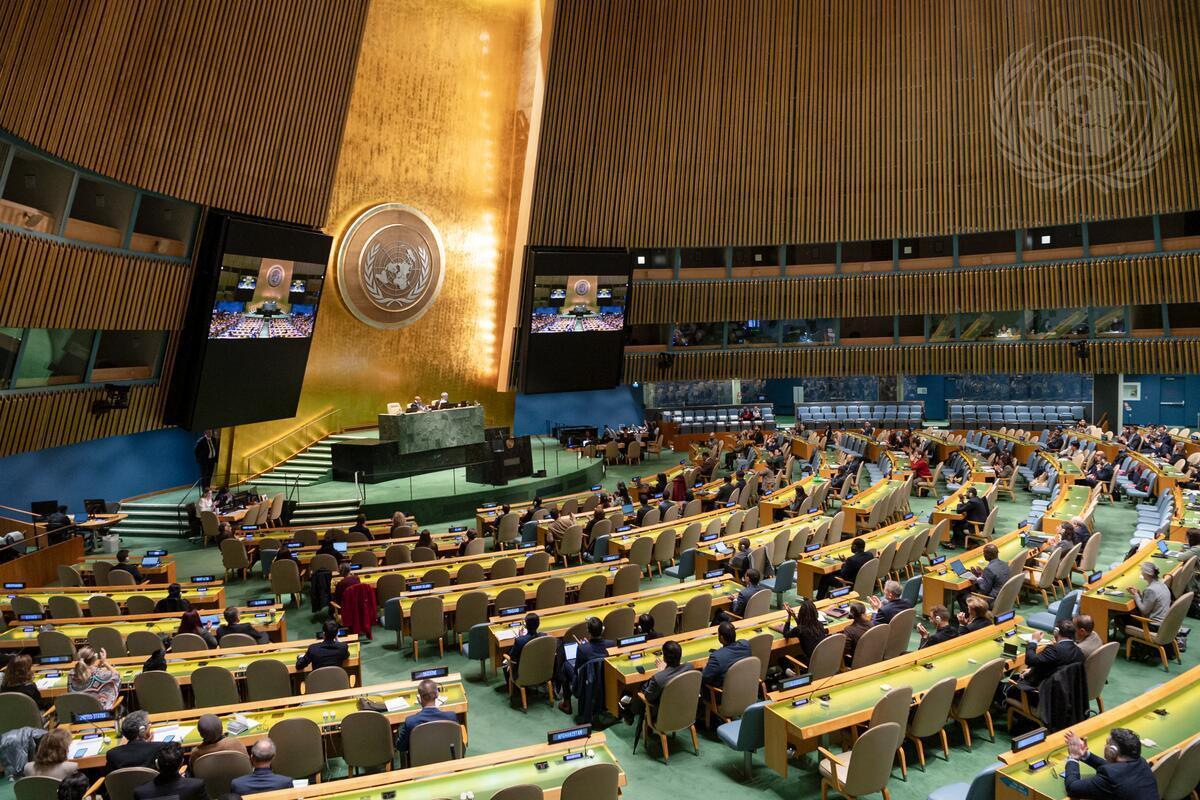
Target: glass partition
x=10, y=345
x=54, y=357
x=127, y=355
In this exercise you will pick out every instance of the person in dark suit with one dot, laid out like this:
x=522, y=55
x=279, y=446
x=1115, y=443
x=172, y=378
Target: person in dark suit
x=174, y=602
x=645, y=627
x=1135, y=442
x=360, y=526
x=987, y=580
x=234, y=625
x=524, y=636
x=1100, y=472
x=123, y=563
x=1040, y=665
x=427, y=694
x=328, y=652
x=644, y=508
x=139, y=749
x=168, y=782
x=1121, y=775
x=942, y=631
x=720, y=660
x=59, y=526
x=666, y=668
x=750, y=588
x=891, y=605
x=205, y=452
x=262, y=779
x=595, y=648
x=859, y=555
x=974, y=509
x=741, y=559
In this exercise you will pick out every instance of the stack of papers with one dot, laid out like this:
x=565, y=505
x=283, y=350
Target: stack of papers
x=396, y=704
x=46, y=683
x=171, y=733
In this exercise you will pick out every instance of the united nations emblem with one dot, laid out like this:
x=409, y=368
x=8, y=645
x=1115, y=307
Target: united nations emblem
x=390, y=266
x=274, y=275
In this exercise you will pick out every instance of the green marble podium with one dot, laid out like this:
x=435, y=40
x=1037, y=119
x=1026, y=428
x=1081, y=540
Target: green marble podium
x=432, y=430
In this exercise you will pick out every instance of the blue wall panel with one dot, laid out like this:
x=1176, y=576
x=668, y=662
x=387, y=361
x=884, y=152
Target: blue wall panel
x=538, y=413
x=113, y=468
x=1159, y=404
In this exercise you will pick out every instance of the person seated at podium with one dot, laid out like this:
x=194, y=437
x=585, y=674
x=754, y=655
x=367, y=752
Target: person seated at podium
x=443, y=401
x=59, y=526
x=416, y=405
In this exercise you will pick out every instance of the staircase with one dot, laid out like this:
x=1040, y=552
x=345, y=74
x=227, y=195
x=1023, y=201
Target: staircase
x=148, y=518
x=325, y=512
x=309, y=466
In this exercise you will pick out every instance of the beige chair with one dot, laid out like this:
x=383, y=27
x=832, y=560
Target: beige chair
x=697, y=613
x=931, y=716
x=158, y=692
x=976, y=699
x=365, y=559
x=594, y=587
x=522, y=791
x=237, y=640
x=511, y=597
x=593, y=782
x=508, y=531
x=100, y=605
x=120, y=783
x=870, y=647
x=421, y=555
x=19, y=710
x=864, y=581
x=1006, y=598
x=894, y=706
x=307, y=537
x=470, y=610
x=1042, y=580
x=397, y=554
x=389, y=585
x=900, y=630
x=758, y=604
x=36, y=787
x=63, y=606
x=354, y=537
x=626, y=580
x=1164, y=637
x=214, y=686
x=728, y=701
x=869, y=767
x=185, y=643
x=71, y=703
x=435, y=742
x=1187, y=773
x=109, y=639
x=618, y=623
x=633, y=453
x=504, y=568
x=209, y=527
x=1096, y=667
x=536, y=668
x=663, y=554
x=1062, y=580
x=118, y=576
x=285, y=579
x=665, y=613
x=30, y=606
x=470, y=572
x=536, y=563
x=1164, y=770
x=427, y=623
x=55, y=643
x=300, y=750
x=570, y=545
x=551, y=592
x=234, y=558
x=143, y=643
x=642, y=553
x=267, y=679
x=68, y=576
x=100, y=572
x=218, y=770
x=322, y=561
x=326, y=679
x=676, y=711
x=474, y=547
x=981, y=533
x=371, y=734
x=826, y=658
x=438, y=576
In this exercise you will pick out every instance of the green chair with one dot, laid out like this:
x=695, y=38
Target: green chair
x=158, y=692
x=267, y=679
x=214, y=686
x=371, y=734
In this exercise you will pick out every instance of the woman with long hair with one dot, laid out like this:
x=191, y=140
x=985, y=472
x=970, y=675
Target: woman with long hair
x=92, y=675
x=50, y=761
x=191, y=622
x=806, y=627
x=18, y=677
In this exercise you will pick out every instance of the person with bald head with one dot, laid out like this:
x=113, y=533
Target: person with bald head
x=1086, y=638
x=416, y=405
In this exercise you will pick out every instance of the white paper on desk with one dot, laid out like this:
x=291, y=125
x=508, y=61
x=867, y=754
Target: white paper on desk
x=1026, y=637
x=396, y=704
x=250, y=724
x=503, y=635
x=46, y=683
x=172, y=733
x=86, y=749
x=441, y=700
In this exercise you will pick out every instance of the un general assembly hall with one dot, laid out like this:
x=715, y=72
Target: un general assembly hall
x=597, y=399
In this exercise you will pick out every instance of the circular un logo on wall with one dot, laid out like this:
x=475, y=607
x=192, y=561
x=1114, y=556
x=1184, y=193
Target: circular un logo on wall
x=390, y=266
x=275, y=275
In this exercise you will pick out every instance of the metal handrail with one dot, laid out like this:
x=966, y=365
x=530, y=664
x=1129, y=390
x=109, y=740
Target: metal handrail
x=307, y=439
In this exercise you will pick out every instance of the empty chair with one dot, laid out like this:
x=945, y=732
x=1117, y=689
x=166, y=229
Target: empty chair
x=389, y=585
x=899, y=632
x=64, y=607
x=285, y=579
x=438, y=576
x=158, y=691
x=619, y=622
x=214, y=686
x=219, y=768
x=29, y=606
x=18, y=710
x=626, y=580
x=470, y=610
x=783, y=581
x=664, y=614
x=470, y=572
x=676, y=711
x=72, y=703
x=139, y=604
x=365, y=559
x=267, y=679
x=536, y=563
x=234, y=557
x=503, y=568
x=869, y=766
x=697, y=613
x=1096, y=667
x=397, y=554
x=99, y=605
x=36, y=787
x=642, y=553
x=323, y=561
x=594, y=587
x=593, y=782
x=1187, y=773
x=976, y=699
x=427, y=623
x=109, y=639
x=933, y=711
x=570, y=545
x=143, y=643
x=371, y=733
x=551, y=592
x=522, y=791
x=68, y=576
x=55, y=643
x=120, y=577
x=300, y=750
x=511, y=597
x=326, y=679
x=869, y=649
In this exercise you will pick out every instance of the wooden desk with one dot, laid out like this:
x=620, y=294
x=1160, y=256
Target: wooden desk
x=557, y=621
x=486, y=515
x=1110, y=595
x=200, y=595
x=165, y=572
x=640, y=485
x=811, y=567
x=40, y=567
x=781, y=498
x=861, y=504
x=944, y=446
x=23, y=635
x=1021, y=448
x=51, y=679
x=717, y=553
x=1071, y=502
x=483, y=775
x=898, y=464
x=1167, y=476
x=1180, y=697
x=980, y=470
x=1185, y=518
x=327, y=709
x=944, y=509
x=621, y=676
x=1068, y=471
x=413, y=571
x=853, y=694
x=941, y=584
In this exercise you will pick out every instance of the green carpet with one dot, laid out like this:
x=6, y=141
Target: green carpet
x=717, y=771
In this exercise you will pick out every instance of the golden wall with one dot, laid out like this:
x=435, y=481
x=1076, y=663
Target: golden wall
x=437, y=121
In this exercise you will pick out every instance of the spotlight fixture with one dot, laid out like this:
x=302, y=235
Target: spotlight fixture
x=116, y=398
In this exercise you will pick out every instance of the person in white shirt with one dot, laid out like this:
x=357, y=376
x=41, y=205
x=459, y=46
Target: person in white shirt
x=206, y=502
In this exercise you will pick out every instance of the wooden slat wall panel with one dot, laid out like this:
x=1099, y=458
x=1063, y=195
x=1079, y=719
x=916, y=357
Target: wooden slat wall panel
x=226, y=103
x=1140, y=357
x=50, y=419
x=45, y=284
x=1136, y=280
x=713, y=123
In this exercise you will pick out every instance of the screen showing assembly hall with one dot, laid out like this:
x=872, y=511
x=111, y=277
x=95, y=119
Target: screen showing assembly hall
x=578, y=303
x=265, y=298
